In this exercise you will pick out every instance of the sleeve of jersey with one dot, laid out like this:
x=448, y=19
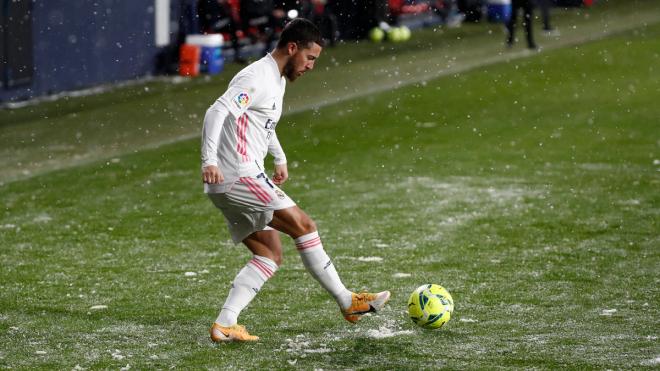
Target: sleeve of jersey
x=241, y=94
x=275, y=149
x=213, y=123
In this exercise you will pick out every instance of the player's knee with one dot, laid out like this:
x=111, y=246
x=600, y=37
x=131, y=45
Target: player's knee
x=276, y=255
x=277, y=258
x=307, y=225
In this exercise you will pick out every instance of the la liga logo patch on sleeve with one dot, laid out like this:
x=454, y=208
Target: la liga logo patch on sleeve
x=242, y=100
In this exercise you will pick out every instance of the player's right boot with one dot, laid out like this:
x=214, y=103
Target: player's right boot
x=232, y=333
x=364, y=303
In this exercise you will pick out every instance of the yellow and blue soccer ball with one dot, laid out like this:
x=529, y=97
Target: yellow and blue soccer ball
x=430, y=306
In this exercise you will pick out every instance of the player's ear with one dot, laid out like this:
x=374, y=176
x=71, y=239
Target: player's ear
x=291, y=48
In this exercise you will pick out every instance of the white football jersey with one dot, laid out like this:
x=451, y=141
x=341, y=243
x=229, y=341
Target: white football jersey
x=239, y=128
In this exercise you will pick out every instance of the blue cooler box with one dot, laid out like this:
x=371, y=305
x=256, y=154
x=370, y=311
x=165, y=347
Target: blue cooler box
x=210, y=59
x=499, y=11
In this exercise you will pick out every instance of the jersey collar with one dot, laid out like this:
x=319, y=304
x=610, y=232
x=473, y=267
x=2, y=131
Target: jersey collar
x=273, y=64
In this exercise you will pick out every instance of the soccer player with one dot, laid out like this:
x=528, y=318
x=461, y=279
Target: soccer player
x=239, y=131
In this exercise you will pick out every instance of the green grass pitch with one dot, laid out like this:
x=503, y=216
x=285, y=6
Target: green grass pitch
x=528, y=188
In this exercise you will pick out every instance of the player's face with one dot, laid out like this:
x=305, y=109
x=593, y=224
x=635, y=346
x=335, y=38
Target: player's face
x=301, y=61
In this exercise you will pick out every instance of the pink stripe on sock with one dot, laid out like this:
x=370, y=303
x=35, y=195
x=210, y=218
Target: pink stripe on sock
x=262, y=267
x=308, y=244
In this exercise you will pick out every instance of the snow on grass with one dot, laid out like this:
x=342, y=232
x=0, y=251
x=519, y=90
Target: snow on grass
x=116, y=355
x=468, y=320
x=441, y=201
x=369, y=259
x=42, y=218
x=388, y=329
x=630, y=202
x=596, y=166
x=98, y=307
x=651, y=362
x=607, y=312
x=384, y=332
x=301, y=345
x=401, y=275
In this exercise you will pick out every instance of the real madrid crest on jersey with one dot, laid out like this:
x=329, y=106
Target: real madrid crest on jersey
x=280, y=194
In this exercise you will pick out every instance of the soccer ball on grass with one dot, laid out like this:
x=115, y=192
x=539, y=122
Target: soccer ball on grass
x=430, y=306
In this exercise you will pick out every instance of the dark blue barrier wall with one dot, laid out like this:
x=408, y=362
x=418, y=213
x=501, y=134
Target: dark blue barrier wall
x=83, y=43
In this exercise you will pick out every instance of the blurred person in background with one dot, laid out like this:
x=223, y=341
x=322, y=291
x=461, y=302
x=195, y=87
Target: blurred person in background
x=528, y=10
x=356, y=18
x=219, y=16
x=322, y=14
x=261, y=20
x=448, y=12
x=544, y=7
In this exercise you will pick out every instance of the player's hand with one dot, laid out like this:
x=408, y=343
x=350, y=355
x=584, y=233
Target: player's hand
x=281, y=174
x=212, y=175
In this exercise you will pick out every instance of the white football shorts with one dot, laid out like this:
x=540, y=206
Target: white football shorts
x=248, y=206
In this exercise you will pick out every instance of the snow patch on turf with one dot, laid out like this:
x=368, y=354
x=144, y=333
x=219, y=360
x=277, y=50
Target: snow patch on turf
x=369, y=259
x=401, y=275
x=607, y=312
x=651, y=362
x=171, y=174
x=98, y=307
x=596, y=166
x=388, y=329
x=426, y=125
x=42, y=218
x=384, y=332
x=447, y=203
x=468, y=320
x=302, y=346
x=116, y=355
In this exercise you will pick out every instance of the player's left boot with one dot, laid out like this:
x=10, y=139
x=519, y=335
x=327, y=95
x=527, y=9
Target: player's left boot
x=364, y=303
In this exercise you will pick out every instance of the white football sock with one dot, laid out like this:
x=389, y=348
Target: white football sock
x=245, y=287
x=320, y=266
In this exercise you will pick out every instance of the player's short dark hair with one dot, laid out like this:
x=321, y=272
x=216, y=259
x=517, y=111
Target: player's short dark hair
x=302, y=32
